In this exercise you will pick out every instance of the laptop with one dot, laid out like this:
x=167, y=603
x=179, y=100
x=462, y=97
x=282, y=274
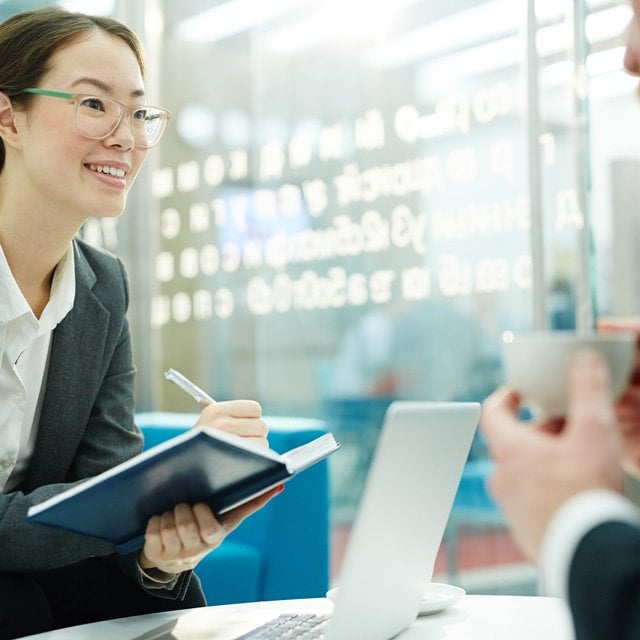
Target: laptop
x=392, y=549
x=401, y=519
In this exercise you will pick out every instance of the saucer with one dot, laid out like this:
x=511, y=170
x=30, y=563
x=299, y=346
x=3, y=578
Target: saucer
x=437, y=597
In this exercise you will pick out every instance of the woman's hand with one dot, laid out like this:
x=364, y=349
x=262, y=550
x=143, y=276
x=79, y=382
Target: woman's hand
x=177, y=540
x=241, y=417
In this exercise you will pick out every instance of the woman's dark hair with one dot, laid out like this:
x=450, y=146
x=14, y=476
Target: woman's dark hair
x=29, y=39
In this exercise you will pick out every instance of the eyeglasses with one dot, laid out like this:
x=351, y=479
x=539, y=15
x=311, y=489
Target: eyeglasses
x=97, y=117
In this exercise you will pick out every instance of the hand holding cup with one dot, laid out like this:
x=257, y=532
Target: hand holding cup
x=537, y=365
x=628, y=405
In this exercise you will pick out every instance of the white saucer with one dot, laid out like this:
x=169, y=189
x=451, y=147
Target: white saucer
x=437, y=597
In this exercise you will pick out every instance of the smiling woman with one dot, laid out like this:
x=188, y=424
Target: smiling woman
x=74, y=132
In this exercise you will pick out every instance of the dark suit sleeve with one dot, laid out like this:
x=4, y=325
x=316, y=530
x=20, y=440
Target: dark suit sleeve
x=604, y=583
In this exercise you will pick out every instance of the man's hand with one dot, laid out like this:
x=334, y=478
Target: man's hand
x=241, y=417
x=628, y=405
x=632, y=53
x=628, y=415
x=538, y=469
x=177, y=540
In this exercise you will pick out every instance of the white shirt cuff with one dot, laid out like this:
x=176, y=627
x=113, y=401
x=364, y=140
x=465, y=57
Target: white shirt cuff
x=156, y=579
x=569, y=525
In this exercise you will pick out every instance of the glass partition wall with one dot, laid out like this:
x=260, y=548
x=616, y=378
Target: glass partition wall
x=355, y=200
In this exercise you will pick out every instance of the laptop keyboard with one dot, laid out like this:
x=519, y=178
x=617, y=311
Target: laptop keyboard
x=301, y=626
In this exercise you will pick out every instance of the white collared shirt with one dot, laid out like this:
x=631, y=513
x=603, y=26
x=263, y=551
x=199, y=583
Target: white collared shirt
x=569, y=525
x=24, y=351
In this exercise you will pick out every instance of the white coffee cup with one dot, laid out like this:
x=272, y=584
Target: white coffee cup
x=537, y=365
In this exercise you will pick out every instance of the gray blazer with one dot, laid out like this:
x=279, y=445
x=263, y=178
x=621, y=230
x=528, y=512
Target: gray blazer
x=86, y=424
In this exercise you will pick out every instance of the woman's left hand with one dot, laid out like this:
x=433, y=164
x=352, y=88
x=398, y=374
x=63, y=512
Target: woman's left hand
x=177, y=540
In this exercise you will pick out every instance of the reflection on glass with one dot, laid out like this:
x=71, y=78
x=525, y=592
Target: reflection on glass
x=345, y=218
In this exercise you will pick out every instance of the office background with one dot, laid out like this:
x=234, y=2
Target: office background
x=356, y=199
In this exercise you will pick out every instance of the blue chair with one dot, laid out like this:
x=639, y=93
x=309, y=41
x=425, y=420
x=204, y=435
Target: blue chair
x=280, y=552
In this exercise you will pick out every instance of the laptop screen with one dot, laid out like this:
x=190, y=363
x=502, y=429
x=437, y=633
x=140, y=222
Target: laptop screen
x=399, y=526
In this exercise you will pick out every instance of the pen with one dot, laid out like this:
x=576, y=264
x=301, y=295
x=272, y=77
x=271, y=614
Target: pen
x=185, y=384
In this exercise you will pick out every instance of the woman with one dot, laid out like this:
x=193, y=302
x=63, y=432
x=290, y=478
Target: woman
x=74, y=132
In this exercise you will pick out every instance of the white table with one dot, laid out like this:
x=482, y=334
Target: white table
x=475, y=617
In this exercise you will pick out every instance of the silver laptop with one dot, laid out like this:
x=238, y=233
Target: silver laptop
x=402, y=516
x=411, y=485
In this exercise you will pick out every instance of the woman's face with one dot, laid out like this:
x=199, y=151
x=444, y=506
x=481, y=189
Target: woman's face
x=67, y=171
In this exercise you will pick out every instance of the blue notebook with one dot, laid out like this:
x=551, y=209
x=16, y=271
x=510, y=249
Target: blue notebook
x=201, y=465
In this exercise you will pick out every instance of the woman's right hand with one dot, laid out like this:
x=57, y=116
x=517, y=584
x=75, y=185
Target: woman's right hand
x=241, y=417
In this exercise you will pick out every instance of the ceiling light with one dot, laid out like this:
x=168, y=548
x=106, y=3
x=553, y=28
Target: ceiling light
x=232, y=17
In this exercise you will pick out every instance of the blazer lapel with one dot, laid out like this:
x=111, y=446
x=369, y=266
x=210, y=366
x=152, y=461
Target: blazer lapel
x=75, y=371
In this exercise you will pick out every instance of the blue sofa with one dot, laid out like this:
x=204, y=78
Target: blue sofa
x=280, y=552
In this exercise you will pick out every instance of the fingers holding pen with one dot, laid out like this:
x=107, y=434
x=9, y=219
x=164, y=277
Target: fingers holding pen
x=239, y=417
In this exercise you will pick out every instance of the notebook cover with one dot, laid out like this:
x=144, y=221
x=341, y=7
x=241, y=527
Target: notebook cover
x=198, y=466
